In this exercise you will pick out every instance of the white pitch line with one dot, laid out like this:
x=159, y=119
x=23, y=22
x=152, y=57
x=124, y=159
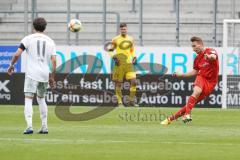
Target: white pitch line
x=87, y=141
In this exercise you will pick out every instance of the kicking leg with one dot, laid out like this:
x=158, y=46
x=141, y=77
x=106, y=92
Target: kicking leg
x=179, y=113
x=185, y=111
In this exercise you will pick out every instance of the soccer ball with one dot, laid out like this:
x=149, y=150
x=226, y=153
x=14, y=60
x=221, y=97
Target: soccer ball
x=75, y=25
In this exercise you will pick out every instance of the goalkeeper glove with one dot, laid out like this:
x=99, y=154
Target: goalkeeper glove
x=134, y=61
x=116, y=61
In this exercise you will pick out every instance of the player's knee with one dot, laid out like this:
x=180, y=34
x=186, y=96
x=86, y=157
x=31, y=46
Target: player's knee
x=40, y=99
x=197, y=92
x=195, y=95
x=118, y=84
x=29, y=95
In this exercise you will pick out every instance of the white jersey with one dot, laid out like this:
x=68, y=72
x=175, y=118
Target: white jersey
x=39, y=49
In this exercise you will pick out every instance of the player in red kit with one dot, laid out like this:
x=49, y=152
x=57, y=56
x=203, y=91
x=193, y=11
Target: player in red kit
x=206, y=69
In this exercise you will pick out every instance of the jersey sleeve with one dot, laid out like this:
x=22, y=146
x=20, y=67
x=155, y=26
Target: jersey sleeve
x=132, y=49
x=25, y=42
x=114, y=42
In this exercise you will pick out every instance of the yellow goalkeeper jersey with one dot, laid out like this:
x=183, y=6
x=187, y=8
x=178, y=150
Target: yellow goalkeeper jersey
x=124, y=48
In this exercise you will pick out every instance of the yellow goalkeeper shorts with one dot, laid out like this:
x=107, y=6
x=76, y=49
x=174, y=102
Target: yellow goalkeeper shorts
x=123, y=71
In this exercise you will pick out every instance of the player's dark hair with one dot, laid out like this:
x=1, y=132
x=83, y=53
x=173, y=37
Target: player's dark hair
x=39, y=24
x=196, y=39
x=122, y=25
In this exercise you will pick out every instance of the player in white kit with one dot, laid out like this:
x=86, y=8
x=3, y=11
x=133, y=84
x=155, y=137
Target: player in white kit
x=40, y=53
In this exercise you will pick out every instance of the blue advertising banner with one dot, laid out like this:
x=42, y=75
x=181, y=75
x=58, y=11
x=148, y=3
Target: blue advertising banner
x=6, y=53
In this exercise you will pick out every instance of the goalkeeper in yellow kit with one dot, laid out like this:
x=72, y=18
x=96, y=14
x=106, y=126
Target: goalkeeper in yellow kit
x=124, y=58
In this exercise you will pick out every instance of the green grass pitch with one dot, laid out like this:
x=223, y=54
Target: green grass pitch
x=213, y=134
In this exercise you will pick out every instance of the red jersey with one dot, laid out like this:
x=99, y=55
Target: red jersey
x=207, y=68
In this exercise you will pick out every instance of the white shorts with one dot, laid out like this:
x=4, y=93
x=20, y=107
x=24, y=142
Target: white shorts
x=31, y=87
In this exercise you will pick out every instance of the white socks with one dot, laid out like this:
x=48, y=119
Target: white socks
x=43, y=110
x=28, y=111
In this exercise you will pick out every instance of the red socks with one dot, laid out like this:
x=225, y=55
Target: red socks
x=190, y=104
x=178, y=114
x=186, y=109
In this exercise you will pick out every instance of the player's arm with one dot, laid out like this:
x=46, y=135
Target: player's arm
x=192, y=73
x=15, y=57
x=110, y=48
x=53, y=73
x=212, y=55
x=133, y=54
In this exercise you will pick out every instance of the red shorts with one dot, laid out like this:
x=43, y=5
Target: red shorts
x=206, y=86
